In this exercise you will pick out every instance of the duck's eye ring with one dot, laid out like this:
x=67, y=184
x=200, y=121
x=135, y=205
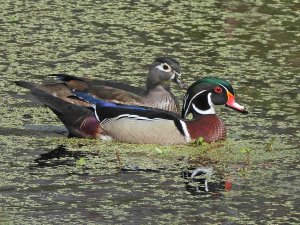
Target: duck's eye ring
x=166, y=67
x=218, y=90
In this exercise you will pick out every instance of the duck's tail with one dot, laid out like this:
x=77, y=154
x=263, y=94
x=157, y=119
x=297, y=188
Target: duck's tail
x=79, y=120
x=25, y=84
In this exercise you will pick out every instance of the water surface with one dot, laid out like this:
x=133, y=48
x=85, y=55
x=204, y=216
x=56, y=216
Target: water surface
x=252, y=178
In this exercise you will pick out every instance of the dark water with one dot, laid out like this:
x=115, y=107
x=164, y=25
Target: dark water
x=47, y=178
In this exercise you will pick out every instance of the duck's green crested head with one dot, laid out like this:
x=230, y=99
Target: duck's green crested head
x=210, y=81
x=206, y=92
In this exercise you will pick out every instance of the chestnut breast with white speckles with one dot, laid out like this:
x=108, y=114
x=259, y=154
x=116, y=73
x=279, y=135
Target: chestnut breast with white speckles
x=210, y=127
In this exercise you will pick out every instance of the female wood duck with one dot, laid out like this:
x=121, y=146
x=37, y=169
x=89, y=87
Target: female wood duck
x=157, y=94
x=136, y=124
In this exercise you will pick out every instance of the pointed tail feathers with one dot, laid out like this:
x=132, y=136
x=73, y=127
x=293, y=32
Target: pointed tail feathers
x=65, y=77
x=113, y=84
x=25, y=84
x=80, y=121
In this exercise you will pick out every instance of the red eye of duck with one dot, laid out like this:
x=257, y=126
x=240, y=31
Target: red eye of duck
x=218, y=90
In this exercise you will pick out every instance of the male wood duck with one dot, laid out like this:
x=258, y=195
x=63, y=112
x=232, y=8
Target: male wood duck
x=136, y=124
x=157, y=94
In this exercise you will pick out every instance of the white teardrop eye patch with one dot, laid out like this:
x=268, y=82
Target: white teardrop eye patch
x=164, y=67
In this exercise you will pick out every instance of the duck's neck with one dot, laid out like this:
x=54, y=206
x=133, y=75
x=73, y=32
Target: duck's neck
x=210, y=127
x=161, y=98
x=152, y=86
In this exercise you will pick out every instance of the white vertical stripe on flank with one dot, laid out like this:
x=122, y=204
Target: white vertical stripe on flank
x=95, y=112
x=187, y=136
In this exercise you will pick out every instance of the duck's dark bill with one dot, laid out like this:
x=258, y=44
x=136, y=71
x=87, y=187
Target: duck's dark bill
x=177, y=80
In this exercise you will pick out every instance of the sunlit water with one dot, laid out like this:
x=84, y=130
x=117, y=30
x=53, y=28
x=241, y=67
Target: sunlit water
x=47, y=178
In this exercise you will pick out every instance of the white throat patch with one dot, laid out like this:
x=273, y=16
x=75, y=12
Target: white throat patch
x=211, y=110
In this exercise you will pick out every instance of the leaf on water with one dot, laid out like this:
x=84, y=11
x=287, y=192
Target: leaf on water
x=245, y=150
x=158, y=150
x=80, y=162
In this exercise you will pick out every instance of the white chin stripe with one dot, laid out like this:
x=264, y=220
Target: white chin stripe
x=211, y=110
x=190, y=102
x=204, y=112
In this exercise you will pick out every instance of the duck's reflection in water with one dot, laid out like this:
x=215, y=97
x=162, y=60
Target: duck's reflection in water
x=57, y=157
x=203, y=181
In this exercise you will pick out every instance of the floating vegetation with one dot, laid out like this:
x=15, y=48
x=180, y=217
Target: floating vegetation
x=50, y=178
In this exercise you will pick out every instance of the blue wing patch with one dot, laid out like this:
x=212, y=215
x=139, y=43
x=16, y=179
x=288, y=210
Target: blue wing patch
x=101, y=103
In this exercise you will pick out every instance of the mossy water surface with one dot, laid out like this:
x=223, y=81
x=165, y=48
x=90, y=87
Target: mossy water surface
x=252, y=178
